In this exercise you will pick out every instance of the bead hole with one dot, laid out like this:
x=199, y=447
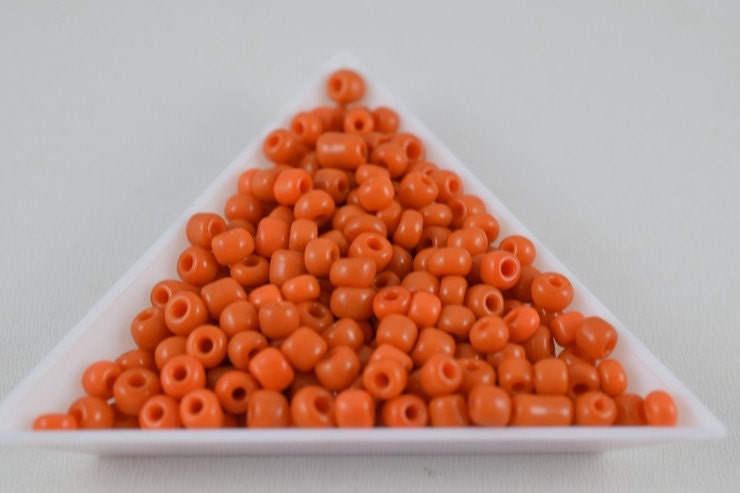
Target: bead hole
x=205, y=345
x=180, y=373
x=251, y=261
x=316, y=311
x=580, y=388
x=273, y=140
x=374, y=244
x=136, y=381
x=161, y=295
x=179, y=308
x=555, y=282
x=492, y=303
x=518, y=388
x=321, y=404
x=156, y=413
x=239, y=394
x=411, y=413
x=599, y=405
x=146, y=315
x=508, y=268
x=453, y=186
x=187, y=262
x=298, y=127
x=381, y=380
x=196, y=406
x=413, y=151
x=449, y=371
x=337, y=85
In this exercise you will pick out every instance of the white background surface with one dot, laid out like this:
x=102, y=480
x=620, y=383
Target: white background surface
x=611, y=129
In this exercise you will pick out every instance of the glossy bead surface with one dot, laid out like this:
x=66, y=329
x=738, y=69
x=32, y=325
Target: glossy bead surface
x=91, y=413
x=373, y=246
x=203, y=227
x=233, y=389
x=630, y=410
x=660, y=409
x=440, y=375
x=340, y=150
x=475, y=372
x=303, y=349
x=515, y=375
x=252, y=271
x=582, y=378
x=243, y=346
x=99, y=377
x=500, y=269
x=219, y=294
x=357, y=272
x=136, y=358
x=208, y=344
x=541, y=410
x=338, y=368
x=281, y=146
x=307, y=126
x=316, y=205
x=520, y=246
x=312, y=407
x=237, y=317
x=301, y=288
x=160, y=412
x=452, y=290
x=448, y=411
x=489, y=405
x=596, y=337
x=272, y=235
x=354, y=408
x=267, y=409
x=564, y=327
x=552, y=291
x=417, y=190
x=539, y=345
x=54, y=422
x=489, y=334
x=345, y=86
x=404, y=411
x=163, y=291
x=386, y=119
x=432, y=341
x=271, y=369
x=594, y=408
x=523, y=321
x=197, y=266
x=384, y=379
x=425, y=309
x=231, y=246
x=612, y=376
x=354, y=303
x=320, y=255
x=550, y=377
x=398, y=330
x=279, y=320
x=200, y=409
x=450, y=261
x=132, y=388
x=181, y=374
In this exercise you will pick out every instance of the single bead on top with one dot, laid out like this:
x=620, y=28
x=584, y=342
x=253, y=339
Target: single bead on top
x=345, y=86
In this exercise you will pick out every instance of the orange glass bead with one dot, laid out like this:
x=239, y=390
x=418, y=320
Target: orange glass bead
x=200, y=409
x=421, y=260
x=433, y=236
x=243, y=346
x=237, y=317
x=449, y=184
x=430, y=342
x=572, y=355
x=233, y=389
x=520, y=246
x=510, y=350
x=271, y=369
x=355, y=303
x=319, y=256
x=552, y=291
x=219, y=294
x=345, y=214
x=208, y=344
x=474, y=240
x=338, y=368
x=197, y=266
x=282, y=146
x=315, y=315
x=594, y=408
x=357, y=272
x=373, y=246
x=450, y=261
x=489, y=405
x=301, y=232
x=285, y=265
x=466, y=350
x=98, y=378
x=354, y=408
x=312, y=407
x=244, y=182
x=245, y=207
x=303, y=349
x=411, y=145
x=463, y=206
x=386, y=119
x=440, y=375
x=272, y=235
x=160, y=412
x=291, y=184
x=393, y=299
x=358, y=120
x=202, y=227
x=436, y=214
x=132, y=388
x=425, y=309
x=370, y=171
x=374, y=139
x=391, y=217
x=265, y=295
x=136, y=358
x=596, y=337
x=384, y=379
x=522, y=321
x=475, y=372
x=231, y=246
x=539, y=345
x=410, y=227
x=54, y=422
x=307, y=126
x=404, y=411
x=340, y=150
x=301, y=288
x=484, y=221
x=253, y=271
x=630, y=410
x=181, y=374
x=278, y=320
x=500, y=269
x=660, y=409
x=91, y=413
x=541, y=410
x=448, y=411
x=163, y=291
x=489, y=334
x=344, y=332
x=168, y=349
x=366, y=223
x=582, y=378
x=392, y=157
x=267, y=409
x=333, y=181
x=386, y=279
x=612, y=376
x=484, y=300
x=398, y=330
x=515, y=375
x=550, y=377
x=417, y=190
x=452, y=290
x=345, y=86
x=456, y=320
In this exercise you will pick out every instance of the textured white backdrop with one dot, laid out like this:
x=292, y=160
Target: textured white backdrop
x=611, y=129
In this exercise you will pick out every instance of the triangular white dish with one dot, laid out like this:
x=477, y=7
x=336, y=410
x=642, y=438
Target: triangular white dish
x=103, y=333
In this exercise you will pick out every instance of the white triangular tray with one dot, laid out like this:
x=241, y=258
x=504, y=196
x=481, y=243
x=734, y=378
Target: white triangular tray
x=103, y=333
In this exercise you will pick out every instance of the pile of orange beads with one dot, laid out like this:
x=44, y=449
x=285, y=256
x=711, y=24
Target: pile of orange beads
x=355, y=284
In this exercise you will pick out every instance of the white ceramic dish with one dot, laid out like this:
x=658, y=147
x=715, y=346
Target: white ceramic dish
x=103, y=333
